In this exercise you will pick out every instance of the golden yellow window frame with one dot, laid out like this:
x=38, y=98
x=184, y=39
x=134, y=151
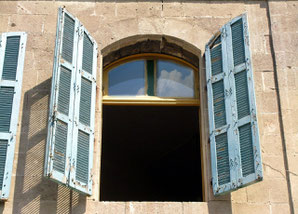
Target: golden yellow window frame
x=149, y=100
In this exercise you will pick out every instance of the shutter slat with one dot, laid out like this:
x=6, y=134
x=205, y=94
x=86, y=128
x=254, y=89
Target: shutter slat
x=246, y=149
x=60, y=147
x=238, y=42
x=6, y=101
x=3, y=154
x=87, y=54
x=68, y=38
x=82, y=166
x=216, y=60
x=11, y=58
x=219, y=104
x=222, y=155
x=64, y=91
x=85, y=101
x=242, y=94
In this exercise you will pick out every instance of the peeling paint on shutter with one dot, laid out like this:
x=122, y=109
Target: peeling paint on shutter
x=12, y=55
x=234, y=137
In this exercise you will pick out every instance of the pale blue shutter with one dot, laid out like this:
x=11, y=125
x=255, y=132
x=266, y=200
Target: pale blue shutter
x=69, y=155
x=60, y=126
x=12, y=55
x=82, y=148
x=234, y=138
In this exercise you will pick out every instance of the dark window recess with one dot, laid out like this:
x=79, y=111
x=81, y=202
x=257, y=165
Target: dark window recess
x=150, y=153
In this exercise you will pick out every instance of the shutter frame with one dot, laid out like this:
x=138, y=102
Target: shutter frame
x=54, y=114
x=84, y=187
x=10, y=137
x=235, y=162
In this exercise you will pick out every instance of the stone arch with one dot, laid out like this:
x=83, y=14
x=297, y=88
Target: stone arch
x=161, y=44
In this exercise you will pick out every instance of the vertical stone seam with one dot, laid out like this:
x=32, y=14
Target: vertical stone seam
x=280, y=116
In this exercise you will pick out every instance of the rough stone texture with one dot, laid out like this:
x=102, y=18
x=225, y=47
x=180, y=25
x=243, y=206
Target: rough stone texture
x=194, y=23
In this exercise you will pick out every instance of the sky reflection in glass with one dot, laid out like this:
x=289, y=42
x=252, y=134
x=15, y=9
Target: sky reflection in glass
x=174, y=80
x=127, y=79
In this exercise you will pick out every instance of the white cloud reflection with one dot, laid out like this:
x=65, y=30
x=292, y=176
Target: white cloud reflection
x=173, y=84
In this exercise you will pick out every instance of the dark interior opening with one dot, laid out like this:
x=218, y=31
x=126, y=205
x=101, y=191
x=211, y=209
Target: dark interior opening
x=150, y=153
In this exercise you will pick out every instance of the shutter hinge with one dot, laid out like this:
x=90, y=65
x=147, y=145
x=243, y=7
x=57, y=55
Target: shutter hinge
x=223, y=33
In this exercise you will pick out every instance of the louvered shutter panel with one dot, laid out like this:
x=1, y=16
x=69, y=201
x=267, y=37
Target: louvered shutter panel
x=235, y=149
x=84, y=114
x=69, y=155
x=60, y=127
x=12, y=55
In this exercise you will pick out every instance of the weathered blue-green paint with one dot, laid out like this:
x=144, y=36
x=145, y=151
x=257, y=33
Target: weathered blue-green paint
x=245, y=165
x=69, y=154
x=12, y=55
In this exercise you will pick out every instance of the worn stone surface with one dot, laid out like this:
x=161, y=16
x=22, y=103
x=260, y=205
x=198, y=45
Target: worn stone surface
x=115, y=25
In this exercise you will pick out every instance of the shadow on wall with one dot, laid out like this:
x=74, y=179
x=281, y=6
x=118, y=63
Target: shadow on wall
x=33, y=193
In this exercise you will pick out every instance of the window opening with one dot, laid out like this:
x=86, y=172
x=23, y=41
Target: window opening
x=151, y=134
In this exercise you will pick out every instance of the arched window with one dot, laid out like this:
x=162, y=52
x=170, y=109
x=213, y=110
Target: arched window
x=151, y=78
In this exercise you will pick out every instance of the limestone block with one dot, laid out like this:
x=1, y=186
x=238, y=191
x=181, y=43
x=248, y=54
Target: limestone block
x=271, y=144
x=105, y=9
x=172, y=9
x=148, y=9
x=126, y=10
x=273, y=166
x=245, y=208
x=268, y=81
x=193, y=9
x=195, y=207
x=105, y=207
x=8, y=7
x=259, y=192
x=4, y=20
x=150, y=25
x=220, y=207
x=278, y=190
x=262, y=62
x=268, y=102
x=268, y=123
x=36, y=8
x=153, y=207
x=280, y=208
x=27, y=23
x=239, y=196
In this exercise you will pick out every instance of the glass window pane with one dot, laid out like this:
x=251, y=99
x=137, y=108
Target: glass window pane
x=128, y=79
x=174, y=80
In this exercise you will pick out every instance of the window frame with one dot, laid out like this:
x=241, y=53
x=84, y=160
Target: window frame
x=146, y=99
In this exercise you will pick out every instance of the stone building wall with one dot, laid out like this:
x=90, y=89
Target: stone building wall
x=274, y=43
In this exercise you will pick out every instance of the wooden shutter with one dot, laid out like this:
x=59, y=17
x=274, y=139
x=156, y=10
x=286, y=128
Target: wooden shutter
x=60, y=127
x=82, y=149
x=12, y=55
x=72, y=108
x=234, y=137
